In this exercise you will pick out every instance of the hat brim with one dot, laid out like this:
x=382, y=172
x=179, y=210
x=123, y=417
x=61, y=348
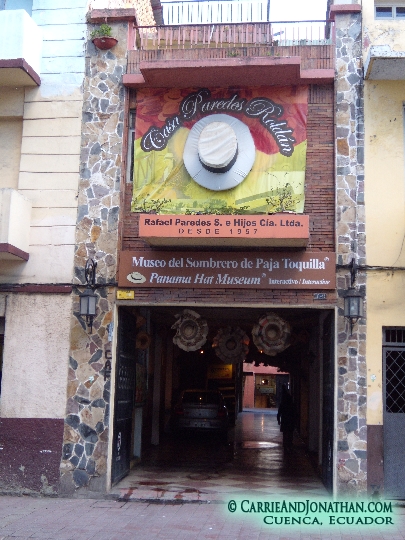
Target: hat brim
x=220, y=181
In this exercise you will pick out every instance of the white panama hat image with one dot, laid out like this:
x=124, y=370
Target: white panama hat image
x=219, y=152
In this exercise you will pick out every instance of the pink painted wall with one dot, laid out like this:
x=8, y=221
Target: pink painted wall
x=249, y=389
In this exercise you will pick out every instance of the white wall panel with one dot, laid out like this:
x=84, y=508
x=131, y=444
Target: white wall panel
x=51, y=198
x=53, y=145
x=49, y=163
x=54, y=109
x=36, y=356
x=55, y=127
x=55, y=4
x=47, y=264
x=55, y=236
x=64, y=64
x=53, y=216
x=51, y=49
x=56, y=32
x=69, y=16
x=29, y=180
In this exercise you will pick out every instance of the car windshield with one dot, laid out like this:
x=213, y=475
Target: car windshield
x=201, y=397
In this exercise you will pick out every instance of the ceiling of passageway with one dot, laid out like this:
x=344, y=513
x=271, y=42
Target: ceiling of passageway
x=244, y=317
x=304, y=322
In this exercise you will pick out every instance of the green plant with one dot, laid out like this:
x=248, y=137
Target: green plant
x=222, y=211
x=103, y=31
x=147, y=207
x=233, y=53
x=282, y=200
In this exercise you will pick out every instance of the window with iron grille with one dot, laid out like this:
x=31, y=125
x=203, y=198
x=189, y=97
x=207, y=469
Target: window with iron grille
x=394, y=360
x=394, y=335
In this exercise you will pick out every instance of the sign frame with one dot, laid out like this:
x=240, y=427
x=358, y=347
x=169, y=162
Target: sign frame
x=227, y=270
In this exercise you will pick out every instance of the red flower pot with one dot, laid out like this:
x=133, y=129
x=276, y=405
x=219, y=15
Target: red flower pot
x=105, y=42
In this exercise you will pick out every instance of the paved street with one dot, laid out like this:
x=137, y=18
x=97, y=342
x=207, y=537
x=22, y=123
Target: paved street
x=67, y=519
x=186, y=488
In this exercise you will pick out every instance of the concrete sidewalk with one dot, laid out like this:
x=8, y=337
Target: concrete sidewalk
x=84, y=519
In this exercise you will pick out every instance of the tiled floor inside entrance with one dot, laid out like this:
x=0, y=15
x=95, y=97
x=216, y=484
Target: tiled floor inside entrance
x=204, y=468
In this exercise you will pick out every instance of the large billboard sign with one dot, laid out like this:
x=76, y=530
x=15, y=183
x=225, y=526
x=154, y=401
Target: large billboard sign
x=208, y=150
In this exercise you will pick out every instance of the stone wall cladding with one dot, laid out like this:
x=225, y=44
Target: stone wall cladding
x=351, y=242
x=143, y=8
x=144, y=13
x=86, y=431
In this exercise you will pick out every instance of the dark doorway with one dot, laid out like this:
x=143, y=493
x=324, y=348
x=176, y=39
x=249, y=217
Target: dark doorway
x=394, y=412
x=130, y=380
x=328, y=401
x=309, y=360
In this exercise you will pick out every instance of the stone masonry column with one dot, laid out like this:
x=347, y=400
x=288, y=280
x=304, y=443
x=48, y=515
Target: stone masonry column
x=87, y=421
x=351, y=369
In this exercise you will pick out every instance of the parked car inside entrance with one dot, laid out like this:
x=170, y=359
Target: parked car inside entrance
x=201, y=410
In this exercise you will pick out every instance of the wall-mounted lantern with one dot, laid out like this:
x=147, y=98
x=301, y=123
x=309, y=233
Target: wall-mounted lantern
x=88, y=300
x=354, y=309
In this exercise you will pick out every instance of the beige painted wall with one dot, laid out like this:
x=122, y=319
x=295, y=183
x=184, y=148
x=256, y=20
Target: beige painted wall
x=11, y=102
x=46, y=158
x=48, y=177
x=11, y=113
x=385, y=172
x=385, y=307
x=385, y=225
x=10, y=144
x=34, y=377
x=381, y=31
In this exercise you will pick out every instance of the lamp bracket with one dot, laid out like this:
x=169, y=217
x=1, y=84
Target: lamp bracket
x=353, y=271
x=90, y=272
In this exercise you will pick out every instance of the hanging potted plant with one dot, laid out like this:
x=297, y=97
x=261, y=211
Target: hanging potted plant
x=102, y=38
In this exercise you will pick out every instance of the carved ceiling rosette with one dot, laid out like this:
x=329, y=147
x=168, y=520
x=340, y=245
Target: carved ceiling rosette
x=231, y=345
x=271, y=334
x=191, y=330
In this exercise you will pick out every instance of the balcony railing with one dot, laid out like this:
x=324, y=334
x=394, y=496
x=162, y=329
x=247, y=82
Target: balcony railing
x=215, y=11
x=233, y=35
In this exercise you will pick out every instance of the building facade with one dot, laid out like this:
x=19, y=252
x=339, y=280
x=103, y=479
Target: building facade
x=112, y=418
x=383, y=53
x=42, y=69
x=195, y=277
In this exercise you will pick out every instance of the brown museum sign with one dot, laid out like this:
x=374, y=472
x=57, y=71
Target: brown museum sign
x=270, y=270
